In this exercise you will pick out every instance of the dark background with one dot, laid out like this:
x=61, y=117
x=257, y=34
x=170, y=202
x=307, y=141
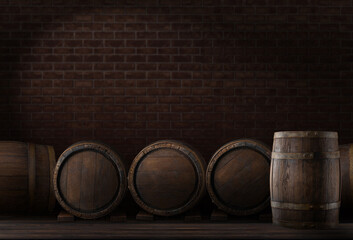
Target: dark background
x=206, y=72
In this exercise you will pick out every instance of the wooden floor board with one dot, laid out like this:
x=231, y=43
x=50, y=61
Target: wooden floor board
x=103, y=229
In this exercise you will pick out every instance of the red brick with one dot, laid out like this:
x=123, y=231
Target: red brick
x=158, y=91
x=42, y=83
x=104, y=116
x=146, y=35
x=158, y=75
x=146, y=83
x=114, y=43
x=103, y=35
x=135, y=27
x=135, y=108
x=52, y=91
x=135, y=91
x=103, y=100
x=104, y=18
x=158, y=58
x=103, y=66
x=114, y=91
x=92, y=91
x=147, y=99
x=158, y=43
x=124, y=35
x=158, y=108
x=31, y=91
x=170, y=100
x=169, y=83
x=83, y=100
x=136, y=58
x=103, y=83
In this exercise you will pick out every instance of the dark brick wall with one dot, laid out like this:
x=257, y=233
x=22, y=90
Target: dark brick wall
x=205, y=72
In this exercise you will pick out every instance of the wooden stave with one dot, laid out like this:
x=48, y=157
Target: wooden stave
x=119, y=166
x=200, y=168
x=34, y=203
x=259, y=147
x=347, y=176
x=331, y=212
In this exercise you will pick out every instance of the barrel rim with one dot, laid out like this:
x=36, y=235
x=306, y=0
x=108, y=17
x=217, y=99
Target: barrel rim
x=305, y=134
x=195, y=158
x=260, y=147
x=112, y=156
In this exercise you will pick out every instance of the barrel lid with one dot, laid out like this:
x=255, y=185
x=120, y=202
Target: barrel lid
x=144, y=198
x=104, y=168
x=305, y=134
x=262, y=154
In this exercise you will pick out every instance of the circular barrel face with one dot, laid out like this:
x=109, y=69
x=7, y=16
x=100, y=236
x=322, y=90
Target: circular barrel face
x=89, y=180
x=238, y=177
x=166, y=178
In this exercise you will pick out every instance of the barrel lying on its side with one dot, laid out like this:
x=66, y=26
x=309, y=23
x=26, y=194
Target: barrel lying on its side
x=89, y=179
x=237, y=177
x=167, y=178
x=305, y=179
x=26, y=171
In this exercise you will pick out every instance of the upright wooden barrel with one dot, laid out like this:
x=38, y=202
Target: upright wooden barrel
x=305, y=179
x=346, y=159
x=26, y=171
x=237, y=177
x=89, y=179
x=167, y=178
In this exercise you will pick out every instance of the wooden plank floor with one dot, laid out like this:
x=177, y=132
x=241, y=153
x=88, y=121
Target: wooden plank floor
x=51, y=229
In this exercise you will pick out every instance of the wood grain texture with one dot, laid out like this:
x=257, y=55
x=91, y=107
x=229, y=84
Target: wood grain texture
x=305, y=192
x=51, y=229
x=237, y=177
x=25, y=178
x=346, y=160
x=167, y=178
x=89, y=180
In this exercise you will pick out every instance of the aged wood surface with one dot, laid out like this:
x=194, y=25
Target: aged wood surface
x=26, y=171
x=64, y=216
x=218, y=215
x=167, y=178
x=89, y=229
x=305, y=179
x=237, y=177
x=89, y=179
x=144, y=216
x=346, y=160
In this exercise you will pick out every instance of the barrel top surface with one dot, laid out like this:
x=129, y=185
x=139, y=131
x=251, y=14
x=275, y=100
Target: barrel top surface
x=89, y=179
x=305, y=134
x=166, y=177
x=236, y=176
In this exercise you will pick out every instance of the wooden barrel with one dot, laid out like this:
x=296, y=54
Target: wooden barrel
x=89, y=179
x=167, y=178
x=305, y=179
x=346, y=159
x=237, y=177
x=26, y=171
